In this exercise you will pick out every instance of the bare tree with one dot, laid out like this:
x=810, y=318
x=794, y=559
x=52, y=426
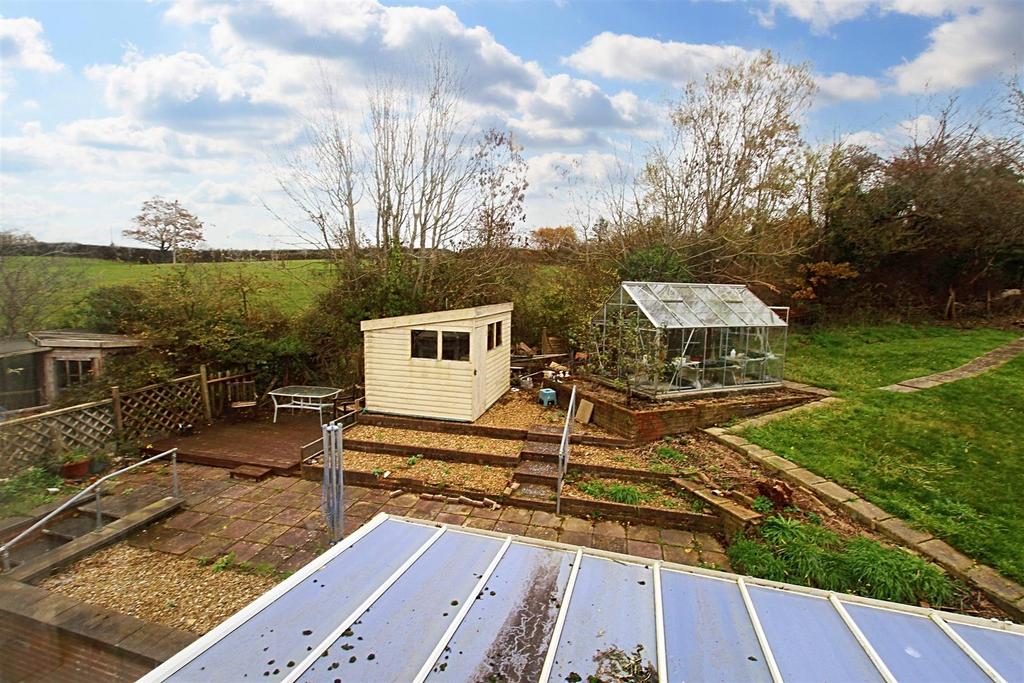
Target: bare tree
x=323, y=178
x=435, y=182
x=724, y=182
x=502, y=184
x=32, y=287
x=166, y=225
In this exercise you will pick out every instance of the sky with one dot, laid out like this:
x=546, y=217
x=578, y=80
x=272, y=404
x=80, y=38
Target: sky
x=105, y=104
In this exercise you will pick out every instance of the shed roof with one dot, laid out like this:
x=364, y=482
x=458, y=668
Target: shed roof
x=410, y=600
x=84, y=339
x=436, y=317
x=19, y=346
x=688, y=305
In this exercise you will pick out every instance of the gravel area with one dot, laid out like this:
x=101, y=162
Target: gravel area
x=520, y=410
x=459, y=475
x=157, y=587
x=412, y=437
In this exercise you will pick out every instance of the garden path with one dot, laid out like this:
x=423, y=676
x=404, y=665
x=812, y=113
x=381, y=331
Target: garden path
x=987, y=361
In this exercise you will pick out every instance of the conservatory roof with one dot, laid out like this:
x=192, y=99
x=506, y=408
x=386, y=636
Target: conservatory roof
x=409, y=600
x=688, y=305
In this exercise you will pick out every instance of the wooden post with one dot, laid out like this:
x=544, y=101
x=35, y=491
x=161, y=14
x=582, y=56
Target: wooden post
x=115, y=394
x=204, y=390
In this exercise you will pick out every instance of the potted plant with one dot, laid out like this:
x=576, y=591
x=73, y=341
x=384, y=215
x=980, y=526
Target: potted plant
x=75, y=464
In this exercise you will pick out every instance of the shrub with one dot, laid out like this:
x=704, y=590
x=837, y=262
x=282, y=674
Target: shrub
x=615, y=492
x=793, y=551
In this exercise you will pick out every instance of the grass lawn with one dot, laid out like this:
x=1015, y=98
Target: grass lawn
x=291, y=285
x=949, y=459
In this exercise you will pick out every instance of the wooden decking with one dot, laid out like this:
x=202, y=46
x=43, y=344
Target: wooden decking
x=254, y=442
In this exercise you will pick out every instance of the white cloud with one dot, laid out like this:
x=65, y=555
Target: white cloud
x=889, y=140
x=842, y=86
x=967, y=49
x=185, y=90
x=634, y=58
x=22, y=46
x=823, y=14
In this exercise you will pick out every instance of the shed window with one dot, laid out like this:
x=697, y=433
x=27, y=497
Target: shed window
x=455, y=345
x=73, y=372
x=424, y=344
x=494, y=335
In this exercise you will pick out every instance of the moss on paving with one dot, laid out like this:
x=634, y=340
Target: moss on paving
x=949, y=459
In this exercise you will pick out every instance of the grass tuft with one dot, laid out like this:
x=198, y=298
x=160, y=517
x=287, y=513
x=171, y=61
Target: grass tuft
x=796, y=552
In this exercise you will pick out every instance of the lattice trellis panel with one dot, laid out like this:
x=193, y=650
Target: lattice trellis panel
x=24, y=443
x=161, y=409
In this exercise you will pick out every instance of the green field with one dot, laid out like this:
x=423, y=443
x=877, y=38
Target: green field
x=949, y=459
x=290, y=285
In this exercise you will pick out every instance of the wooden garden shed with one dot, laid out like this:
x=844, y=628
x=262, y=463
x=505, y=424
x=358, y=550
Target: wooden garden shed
x=447, y=365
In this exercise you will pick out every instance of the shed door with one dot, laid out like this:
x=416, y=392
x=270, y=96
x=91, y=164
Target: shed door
x=478, y=355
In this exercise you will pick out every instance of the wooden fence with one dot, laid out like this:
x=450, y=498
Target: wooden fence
x=130, y=416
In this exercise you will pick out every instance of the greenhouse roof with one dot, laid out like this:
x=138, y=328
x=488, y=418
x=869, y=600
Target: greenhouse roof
x=409, y=600
x=688, y=305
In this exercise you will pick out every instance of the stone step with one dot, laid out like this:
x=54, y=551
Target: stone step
x=537, y=472
x=71, y=528
x=251, y=472
x=24, y=552
x=64, y=554
x=535, y=492
x=118, y=506
x=545, y=433
x=533, y=450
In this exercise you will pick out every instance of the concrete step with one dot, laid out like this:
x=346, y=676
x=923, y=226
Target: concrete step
x=545, y=433
x=251, y=472
x=536, y=496
x=536, y=472
x=66, y=553
x=70, y=528
x=25, y=552
x=533, y=450
x=118, y=506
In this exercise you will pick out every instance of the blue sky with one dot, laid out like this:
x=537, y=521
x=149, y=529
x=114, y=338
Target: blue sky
x=105, y=104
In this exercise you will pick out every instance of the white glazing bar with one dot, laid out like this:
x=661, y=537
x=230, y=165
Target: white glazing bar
x=762, y=639
x=861, y=639
x=317, y=651
x=659, y=626
x=467, y=604
x=966, y=647
x=198, y=647
x=556, y=633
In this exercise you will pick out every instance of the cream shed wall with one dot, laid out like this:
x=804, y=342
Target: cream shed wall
x=398, y=384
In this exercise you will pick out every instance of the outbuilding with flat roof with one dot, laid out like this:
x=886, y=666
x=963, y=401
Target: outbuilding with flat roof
x=447, y=365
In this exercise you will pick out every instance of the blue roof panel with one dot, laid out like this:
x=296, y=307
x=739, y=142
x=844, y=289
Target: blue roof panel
x=1003, y=651
x=456, y=604
x=914, y=649
x=708, y=632
x=808, y=638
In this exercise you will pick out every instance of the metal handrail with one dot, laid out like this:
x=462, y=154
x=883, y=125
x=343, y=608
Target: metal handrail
x=5, y=549
x=339, y=422
x=563, y=449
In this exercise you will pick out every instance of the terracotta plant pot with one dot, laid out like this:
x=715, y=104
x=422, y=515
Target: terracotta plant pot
x=75, y=470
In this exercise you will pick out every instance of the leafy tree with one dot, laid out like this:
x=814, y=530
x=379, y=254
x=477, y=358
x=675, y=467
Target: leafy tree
x=554, y=238
x=655, y=264
x=30, y=284
x=166, y=225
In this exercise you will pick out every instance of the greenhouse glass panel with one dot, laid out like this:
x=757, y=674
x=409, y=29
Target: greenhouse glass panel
x=669, y=339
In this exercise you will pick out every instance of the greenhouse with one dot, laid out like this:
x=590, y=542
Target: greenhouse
x=667, y=339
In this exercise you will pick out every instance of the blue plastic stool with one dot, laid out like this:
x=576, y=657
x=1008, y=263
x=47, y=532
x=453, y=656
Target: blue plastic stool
x=547, y=397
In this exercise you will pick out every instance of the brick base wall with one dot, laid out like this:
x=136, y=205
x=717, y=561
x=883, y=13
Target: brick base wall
x=33, y=651
x=645, y=426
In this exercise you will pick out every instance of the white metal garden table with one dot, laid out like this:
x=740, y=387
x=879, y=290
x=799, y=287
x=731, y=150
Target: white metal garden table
x=300, y=397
